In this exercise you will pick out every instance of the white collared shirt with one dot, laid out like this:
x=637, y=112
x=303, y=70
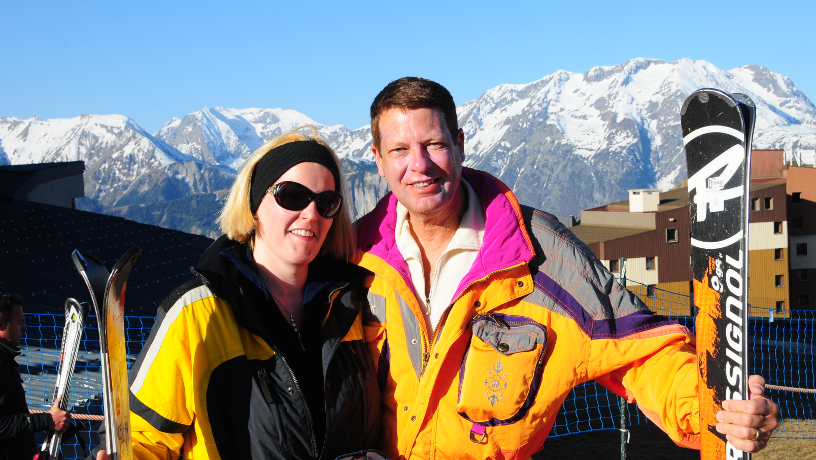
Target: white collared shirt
x=452, y=265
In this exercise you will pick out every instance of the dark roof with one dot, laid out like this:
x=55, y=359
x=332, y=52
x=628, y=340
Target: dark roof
x=590, y=234
x=764, y=185
x=672, y=199
x=36, y=242
x=17, y=180
x=678, y=197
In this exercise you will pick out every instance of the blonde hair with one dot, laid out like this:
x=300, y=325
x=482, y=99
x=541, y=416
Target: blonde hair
x=238, y=223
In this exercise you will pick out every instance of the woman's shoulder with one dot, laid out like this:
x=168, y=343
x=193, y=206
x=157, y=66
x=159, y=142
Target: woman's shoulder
x=194, y=296
x=181, y=294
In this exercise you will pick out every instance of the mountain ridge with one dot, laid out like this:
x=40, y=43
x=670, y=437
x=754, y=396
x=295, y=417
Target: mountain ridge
x=565, y=142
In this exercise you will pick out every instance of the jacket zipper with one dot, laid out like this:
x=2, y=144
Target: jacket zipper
x=487, y=316
x=427, y=355
x=264, y=382
x=366, y=375
x=305, y=405
x=300, y=391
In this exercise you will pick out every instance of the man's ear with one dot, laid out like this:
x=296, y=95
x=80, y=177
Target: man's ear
x=378, y=159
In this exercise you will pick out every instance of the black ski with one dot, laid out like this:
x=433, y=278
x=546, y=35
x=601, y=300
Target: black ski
x=717, y=133
x=108, y=296
x=75, y=314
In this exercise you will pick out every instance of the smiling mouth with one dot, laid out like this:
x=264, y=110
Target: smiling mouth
x=424, y=183
x=302, y=233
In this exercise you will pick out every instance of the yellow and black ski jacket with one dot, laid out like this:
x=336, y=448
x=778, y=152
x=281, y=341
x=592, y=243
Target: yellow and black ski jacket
x=211, y=382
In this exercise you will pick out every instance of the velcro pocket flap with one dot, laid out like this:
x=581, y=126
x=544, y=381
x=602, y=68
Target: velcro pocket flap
x=509, y=340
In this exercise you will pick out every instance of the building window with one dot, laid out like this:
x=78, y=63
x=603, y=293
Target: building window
x=796, y=197
x=778, y=254
x=801, y=249
x=614, y=265
x=796, y=223
x=671, y=235
x=780, y=306
x=650, y=290
x=768, y=202
x=779, y=280
x=650, y=263
x=754, y=204
x=801, y=275
x=803, y=300
x=777, y=227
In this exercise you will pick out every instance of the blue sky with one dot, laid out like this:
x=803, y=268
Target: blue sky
x=155, y=60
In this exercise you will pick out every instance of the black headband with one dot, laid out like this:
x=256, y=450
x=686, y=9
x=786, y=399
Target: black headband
x=281, y=159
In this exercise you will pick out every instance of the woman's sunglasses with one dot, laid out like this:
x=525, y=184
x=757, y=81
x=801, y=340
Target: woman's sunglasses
x=295, y=197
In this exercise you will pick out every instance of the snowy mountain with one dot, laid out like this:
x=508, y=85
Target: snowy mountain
x=609, y=129
x=571, y=141
x=226, y=137
x=121, y=159
x=566, y=142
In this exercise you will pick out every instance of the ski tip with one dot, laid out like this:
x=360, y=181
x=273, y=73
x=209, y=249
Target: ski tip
x=131, y=255
x=744, y=99
x=81, y=307
x=704, y=95
x=81, y=259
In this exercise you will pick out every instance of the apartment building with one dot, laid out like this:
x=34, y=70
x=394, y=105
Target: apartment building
x=651, y=229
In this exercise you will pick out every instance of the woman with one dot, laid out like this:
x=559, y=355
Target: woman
x=261, y=355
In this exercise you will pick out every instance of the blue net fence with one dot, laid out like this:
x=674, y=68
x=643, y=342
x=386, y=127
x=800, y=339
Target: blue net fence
x=783, y=349
x=40, y=360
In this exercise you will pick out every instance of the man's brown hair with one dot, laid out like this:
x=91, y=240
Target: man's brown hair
x=413, y=93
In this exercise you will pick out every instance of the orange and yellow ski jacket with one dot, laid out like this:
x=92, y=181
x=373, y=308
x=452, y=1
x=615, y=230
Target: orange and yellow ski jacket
x=536, y=315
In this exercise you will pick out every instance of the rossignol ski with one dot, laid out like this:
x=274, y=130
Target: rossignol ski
x=717, y=132
x=75, y=314
x=108, y=297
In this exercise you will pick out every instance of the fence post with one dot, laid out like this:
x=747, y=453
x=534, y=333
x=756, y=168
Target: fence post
x=621, y=400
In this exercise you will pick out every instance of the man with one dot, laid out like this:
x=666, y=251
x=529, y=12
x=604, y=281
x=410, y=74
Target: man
x=16, y=424
x=484, y=314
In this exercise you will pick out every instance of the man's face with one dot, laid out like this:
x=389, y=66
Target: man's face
x=420, y=160
x=11, y=332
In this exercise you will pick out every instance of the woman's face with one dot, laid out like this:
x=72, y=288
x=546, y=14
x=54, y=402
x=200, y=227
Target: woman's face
x=293, y=238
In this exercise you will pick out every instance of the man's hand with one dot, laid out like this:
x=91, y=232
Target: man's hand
x=102, y=455
x=748, y=424
x=58, y=419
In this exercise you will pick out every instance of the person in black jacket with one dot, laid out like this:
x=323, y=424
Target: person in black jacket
x=17, y=425
x=262, y=354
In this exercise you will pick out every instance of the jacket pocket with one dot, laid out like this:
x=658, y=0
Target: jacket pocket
x=501, y=371
x=273, y=421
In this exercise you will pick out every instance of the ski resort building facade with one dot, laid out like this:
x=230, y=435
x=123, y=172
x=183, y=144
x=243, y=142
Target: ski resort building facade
x=651, y=229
